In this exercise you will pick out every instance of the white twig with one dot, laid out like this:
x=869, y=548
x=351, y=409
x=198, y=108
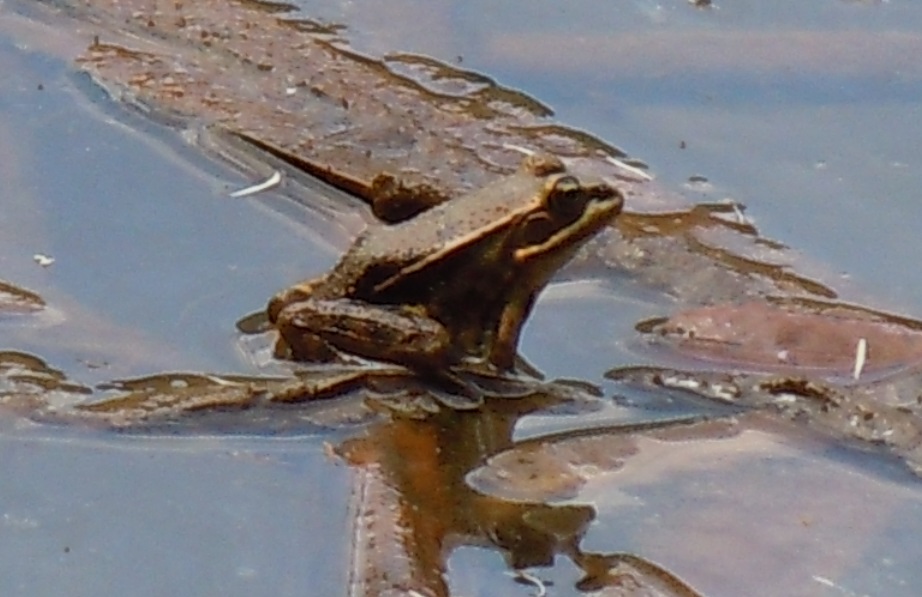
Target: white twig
x=42, y=259
x=518, y=148
x=625, y=166
x=270, y=182
x=861, y=355
x=740, y=217
x=525, y=577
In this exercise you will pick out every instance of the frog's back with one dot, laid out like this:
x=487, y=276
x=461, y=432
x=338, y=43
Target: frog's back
x=444, y=230
x=453, y=224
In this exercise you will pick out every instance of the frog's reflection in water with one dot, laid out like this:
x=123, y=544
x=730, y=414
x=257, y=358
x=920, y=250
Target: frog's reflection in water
x=414, y=505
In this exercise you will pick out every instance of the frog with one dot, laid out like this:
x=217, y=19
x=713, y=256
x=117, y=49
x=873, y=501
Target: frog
x=453, y=284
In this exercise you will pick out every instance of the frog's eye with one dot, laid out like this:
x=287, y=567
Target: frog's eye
x=566, y=199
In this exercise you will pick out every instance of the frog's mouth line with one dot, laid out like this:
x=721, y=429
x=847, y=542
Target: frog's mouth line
x=598, y=213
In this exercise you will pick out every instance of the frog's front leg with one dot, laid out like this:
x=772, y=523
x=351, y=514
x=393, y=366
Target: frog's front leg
x=398, y=334
x=505, y=345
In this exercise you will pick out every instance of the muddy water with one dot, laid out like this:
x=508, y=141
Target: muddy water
x=154, y=263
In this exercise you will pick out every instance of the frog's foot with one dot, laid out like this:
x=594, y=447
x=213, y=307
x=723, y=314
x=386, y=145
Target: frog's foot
x=523, y=365
x=254, y=323
x=453, y=390
x=522, y=370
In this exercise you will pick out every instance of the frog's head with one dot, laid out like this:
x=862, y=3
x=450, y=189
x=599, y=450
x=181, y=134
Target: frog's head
x=537, y=217
x=564, y=214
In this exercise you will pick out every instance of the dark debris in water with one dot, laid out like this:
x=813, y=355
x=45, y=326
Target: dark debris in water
x=885, y=413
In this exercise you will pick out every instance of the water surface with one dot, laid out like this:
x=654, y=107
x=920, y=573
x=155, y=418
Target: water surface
x=154, y=263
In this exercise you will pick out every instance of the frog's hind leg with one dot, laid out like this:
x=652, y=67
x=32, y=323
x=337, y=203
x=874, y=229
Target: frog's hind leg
x=307, y=347
x=297, y=342
x=400, y=334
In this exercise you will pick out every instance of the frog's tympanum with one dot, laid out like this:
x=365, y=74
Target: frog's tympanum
x=451, y=284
